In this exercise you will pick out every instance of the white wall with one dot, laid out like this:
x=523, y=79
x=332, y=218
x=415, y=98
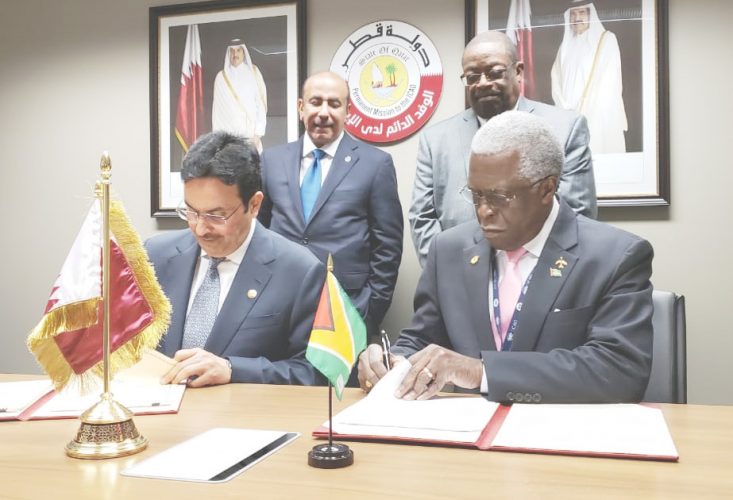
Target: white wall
x=74, y=82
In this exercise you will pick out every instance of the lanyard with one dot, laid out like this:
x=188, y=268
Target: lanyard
x=507, y=343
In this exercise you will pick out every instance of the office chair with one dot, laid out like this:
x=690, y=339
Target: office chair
x=668, y=379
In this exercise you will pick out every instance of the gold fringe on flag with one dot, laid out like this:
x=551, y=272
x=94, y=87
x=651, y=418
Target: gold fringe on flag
x=84, y=314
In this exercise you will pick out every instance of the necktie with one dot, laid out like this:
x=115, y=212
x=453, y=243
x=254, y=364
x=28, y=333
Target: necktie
x=509, y=289
x=311, y=184
x=204, y=308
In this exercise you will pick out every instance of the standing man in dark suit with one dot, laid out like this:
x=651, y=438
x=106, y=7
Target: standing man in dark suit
x=336, y=195
x=534, y=303
x=492, y=76
x=243, y=297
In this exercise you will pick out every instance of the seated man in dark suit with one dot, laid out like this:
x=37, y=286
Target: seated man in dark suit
x=243, y=297
x=531, y=302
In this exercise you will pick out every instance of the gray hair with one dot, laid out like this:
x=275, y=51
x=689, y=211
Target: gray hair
x=539, y=150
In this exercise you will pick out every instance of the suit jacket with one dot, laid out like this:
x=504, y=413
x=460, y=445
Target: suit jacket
x=442, y=170
x=584, y=336
x=357, y=217
x=264, y=337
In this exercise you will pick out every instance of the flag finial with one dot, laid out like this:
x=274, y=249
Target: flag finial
x=105, y=166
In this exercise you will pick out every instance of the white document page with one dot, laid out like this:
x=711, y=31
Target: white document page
x=138, y=388
x=600, y=428
x=216, y=455
x=458, y=419
x=17, y=396
x=136, y=397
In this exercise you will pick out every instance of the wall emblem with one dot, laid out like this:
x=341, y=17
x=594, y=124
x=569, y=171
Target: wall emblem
x=395, y=79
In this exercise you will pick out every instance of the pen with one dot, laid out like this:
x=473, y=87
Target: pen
x=386, y=345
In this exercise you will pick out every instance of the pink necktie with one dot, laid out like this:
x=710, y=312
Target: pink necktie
x=509, y=289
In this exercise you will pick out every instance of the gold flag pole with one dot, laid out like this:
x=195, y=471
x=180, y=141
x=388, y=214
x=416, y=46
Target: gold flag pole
x=106, y=429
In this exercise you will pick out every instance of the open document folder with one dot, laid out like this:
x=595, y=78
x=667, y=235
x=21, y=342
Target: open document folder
x=138, y=388
x=606, y=430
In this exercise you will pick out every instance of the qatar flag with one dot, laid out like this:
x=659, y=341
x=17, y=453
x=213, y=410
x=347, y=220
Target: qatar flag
x=67, y=342
x=519, y=30
x=190, y=115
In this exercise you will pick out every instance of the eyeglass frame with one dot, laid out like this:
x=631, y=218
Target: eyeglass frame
x=506, y=199
x=486, y=74
x=183, y=212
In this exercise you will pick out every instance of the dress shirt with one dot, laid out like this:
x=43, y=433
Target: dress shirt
x=526, y=265
x=307, y=159
x=227, y=269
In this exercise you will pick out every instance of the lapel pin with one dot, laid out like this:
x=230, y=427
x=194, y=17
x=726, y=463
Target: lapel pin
x=474, y=260
x=347, y=159
x=251, y=294
x=561, y=263
x=555, y=273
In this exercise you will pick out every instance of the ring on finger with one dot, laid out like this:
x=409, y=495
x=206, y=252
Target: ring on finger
x=427, y=372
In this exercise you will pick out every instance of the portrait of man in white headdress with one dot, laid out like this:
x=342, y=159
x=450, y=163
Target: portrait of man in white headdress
x=240, y=96
x=586, y=77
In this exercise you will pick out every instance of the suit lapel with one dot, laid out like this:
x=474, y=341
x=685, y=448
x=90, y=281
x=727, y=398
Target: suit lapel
x=468, y=129
x=291, y=166
x=343, y=161
x=553, y=269
x=524, y=104
x=180, y=268
x=476, y=271
x=253, y=275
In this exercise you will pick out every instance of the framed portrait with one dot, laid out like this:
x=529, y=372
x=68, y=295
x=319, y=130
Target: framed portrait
x=606, y=59
x=233, y=65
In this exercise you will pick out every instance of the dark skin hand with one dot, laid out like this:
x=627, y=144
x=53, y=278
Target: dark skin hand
x=432, y=368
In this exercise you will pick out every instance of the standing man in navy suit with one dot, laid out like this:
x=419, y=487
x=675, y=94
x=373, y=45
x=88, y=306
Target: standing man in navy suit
x=336, y=195
x=243, y=297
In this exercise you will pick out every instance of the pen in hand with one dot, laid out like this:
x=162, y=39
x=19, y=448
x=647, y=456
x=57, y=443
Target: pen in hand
x=386, y=345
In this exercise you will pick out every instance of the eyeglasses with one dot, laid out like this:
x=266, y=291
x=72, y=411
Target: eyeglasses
x=192, y=216
x=495, y=199
x=492, y=74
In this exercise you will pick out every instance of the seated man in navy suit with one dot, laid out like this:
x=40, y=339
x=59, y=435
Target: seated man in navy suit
x=336, y=195
x=529, y=302
x=243, y=297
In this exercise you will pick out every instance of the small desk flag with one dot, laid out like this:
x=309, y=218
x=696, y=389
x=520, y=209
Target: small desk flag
x=67, y=342
x=338, y=335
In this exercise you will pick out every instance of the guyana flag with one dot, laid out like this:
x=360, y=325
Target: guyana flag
x=338, y=335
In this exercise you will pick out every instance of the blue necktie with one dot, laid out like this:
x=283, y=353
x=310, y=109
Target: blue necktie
x=311, y=184
x=204, y=309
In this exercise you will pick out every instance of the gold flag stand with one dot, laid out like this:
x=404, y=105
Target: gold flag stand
x=107, y=429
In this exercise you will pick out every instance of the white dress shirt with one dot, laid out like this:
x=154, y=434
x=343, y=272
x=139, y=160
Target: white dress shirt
x=526, y=264
x=307, y=159
x=227, y=269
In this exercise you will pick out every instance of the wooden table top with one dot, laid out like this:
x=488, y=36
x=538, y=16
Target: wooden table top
x=33, y=463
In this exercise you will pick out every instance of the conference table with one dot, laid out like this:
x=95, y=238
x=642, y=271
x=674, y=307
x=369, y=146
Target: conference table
x=33, y=464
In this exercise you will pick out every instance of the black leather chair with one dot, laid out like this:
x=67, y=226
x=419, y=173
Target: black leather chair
x=668, y=380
